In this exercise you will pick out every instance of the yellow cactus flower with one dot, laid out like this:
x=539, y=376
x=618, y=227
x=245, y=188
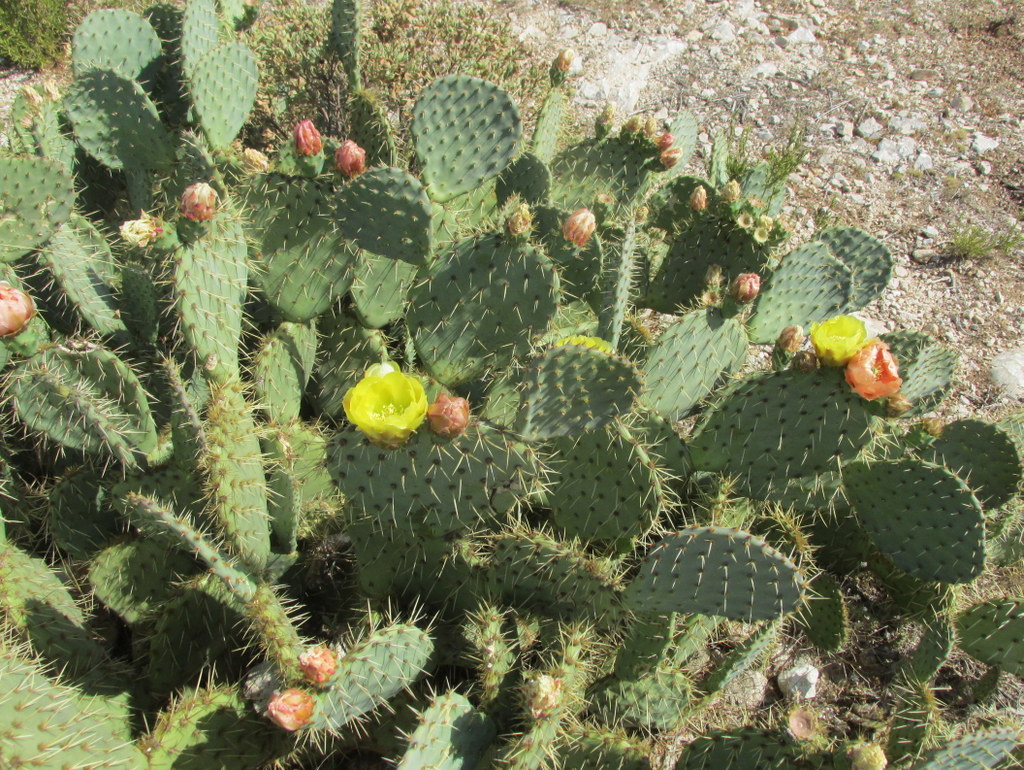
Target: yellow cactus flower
x=386, y=405
x=838, y=339
x=588, y=342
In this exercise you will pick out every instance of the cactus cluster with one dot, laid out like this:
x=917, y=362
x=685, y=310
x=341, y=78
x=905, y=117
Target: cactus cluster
x=370, y=445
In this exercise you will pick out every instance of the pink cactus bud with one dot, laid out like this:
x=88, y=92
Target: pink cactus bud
x=564, y=60
x=671, y=156
x=307, y=139
x=448, y=415
x=665, y=141
x=317, y=664
x=16, y=310
x=745, y=287
x=579, y=227
x=291, y=709
x=199, y=202
x=350, y=159
x=791, y=339
x=699, y=199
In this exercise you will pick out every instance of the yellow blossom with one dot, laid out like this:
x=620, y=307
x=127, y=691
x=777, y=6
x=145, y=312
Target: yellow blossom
x=587, y=342
x=838, y=339
x=386, y=405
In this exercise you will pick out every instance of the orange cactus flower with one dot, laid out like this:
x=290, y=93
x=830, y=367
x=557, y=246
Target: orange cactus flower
x=873, y=372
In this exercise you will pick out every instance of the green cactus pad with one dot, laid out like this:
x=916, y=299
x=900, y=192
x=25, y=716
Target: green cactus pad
x=605, y=487
x=579, y=269
x=444, y=484
x=609, y=750
x=119, y=41
x=80, y=259
x=937, y=642
x=200, y=33
x=465, y=131
x=481, y=307
x=993, y=632
x=223, y=88
x=386, y=211
x=450, y=735
x=670, y=204
x=134, y=578
x=571, y=388
x=548, y=130
x=982, y=455
x=210, y=286
x=809, y=286
x=373, y=670
x=824, y=618
x=920, y=515
x=689, y=359
x=717, y=571
x=84, y=398
x=117, y=123
x=656, y=700
x=282, y=367
x=527, y=177
x=772, y=427
x=380, y=287
x=345, y=350
x=305, y=267
x=927, y=369
x=37, y=198
x=616, y=166
x=982, y=750
x=868, y=259
x=346, y=19
x=77, y=518
x=743, y=749
x=685, y=129
x=213, y=728
x=370, y=129
x=39, y=129
x=763, y=189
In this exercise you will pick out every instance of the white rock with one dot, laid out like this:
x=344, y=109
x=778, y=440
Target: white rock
x=1007, y=371
x=767, y=70
x=962, y=103
x=870, y=129
x=598, y=29
x=923, y=162
x=799, y=682
x=907, y=126
x=724, y=32
x=801, y=35
x=983, y=143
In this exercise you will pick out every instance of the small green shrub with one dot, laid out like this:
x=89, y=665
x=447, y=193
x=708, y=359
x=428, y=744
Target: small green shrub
x=974, y=242
x=32, y=32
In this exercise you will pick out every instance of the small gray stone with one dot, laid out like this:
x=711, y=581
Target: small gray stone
x=724, y=32
x=907, y=126
x=598, y=29
x=982, y=143
x=887, y=152
x=801, y=35
x=923, y=256
x=747, y=690
x=870, y=129
x=1007, y=371
x=923, y=162
x=924, y=75
x=929, y=231
x=845, y=129
x=962, y=103
x=799, y=682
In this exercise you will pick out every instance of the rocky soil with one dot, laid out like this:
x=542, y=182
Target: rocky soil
x=914, y=119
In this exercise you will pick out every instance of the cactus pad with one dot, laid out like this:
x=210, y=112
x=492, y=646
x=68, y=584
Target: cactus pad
x=927, y=369
x=982, y=750
x=450, y=735
x=37, y=196
x=717, y=571
x=993, y=632
x=116, y=40
x=982, y=455
x=386, y=211
x=868, y=259
x=223, y=87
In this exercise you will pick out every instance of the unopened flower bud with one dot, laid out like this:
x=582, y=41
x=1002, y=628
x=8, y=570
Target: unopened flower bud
x=448, y=415
x=933, y=426
x=699, y=199
x=867, y=756
x=732, y=191
x=317, y=664
x=564, y=60
x=805, y=361
x=141, y=232
x=898, y=405
x=307, y=138
x=745, y=287
x=254, y=161
x=713, y=276
x=543, y=695
x=604, y=121
x=650, y=127
x=521, y=220
x=291, y=709
x=350, y=159
x=665, y=141
x=16, y=310
x=199, y=202
x=671, y=156
x=791, y=339
x=579, y=227
x=634, y=125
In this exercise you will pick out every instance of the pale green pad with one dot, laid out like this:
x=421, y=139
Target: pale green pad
x=993, y=632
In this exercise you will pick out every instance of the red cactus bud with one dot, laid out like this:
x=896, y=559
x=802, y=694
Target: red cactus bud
x=16, y=309
x=579, y=227
x=671, y=156
x=291, y=709
x=564, y=60
x=745, y=287
x=199, y=202
x=448, y=415
x=791, y=339
x=665, y=141
x=350, y=159
x=317, y=664
x=699, y=199
x=307, y=139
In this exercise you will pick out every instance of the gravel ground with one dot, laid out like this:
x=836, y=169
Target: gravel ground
x=914, y=113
